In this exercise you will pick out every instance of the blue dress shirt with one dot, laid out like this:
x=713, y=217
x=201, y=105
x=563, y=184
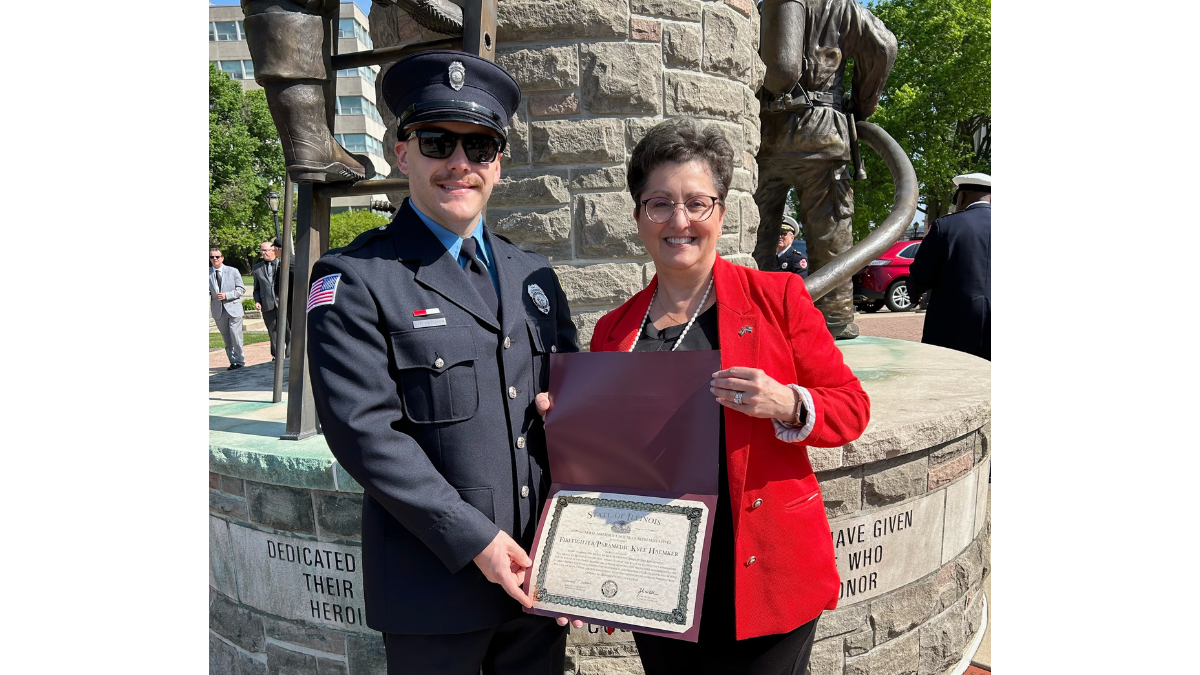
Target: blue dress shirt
x=453, y=243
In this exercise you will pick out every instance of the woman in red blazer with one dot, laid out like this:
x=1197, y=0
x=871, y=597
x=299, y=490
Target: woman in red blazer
x=783, y=386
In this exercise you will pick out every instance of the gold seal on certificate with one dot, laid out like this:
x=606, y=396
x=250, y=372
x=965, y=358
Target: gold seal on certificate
x=622, y=558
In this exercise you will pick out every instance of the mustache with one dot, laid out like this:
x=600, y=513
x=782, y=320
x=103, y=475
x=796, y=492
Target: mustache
x=448, y=176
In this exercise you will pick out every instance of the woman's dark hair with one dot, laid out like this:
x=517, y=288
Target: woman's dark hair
x=679, y=140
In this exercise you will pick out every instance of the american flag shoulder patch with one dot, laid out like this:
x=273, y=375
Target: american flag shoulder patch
x=322, y=291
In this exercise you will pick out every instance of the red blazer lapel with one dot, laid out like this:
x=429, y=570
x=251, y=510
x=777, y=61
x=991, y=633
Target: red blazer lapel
x=738, y=327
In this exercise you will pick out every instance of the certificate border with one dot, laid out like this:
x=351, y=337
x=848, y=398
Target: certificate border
x=676, y=616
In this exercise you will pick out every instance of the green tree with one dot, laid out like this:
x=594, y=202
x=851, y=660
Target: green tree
x=245, y=161
x=344, y=226
x=937, y=103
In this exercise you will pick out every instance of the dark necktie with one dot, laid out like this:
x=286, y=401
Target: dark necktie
x=478, y=274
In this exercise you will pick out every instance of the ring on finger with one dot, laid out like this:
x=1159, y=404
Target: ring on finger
x=737, y=398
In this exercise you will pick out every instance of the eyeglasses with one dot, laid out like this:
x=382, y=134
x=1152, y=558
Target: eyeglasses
x=438, y=144
x=661, y=209
x=215, y=257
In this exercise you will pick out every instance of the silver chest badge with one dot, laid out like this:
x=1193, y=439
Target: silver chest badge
x=458, y=75
x=539, y=298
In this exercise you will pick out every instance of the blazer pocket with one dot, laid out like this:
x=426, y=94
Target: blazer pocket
x=436, y=373
x=809, y=493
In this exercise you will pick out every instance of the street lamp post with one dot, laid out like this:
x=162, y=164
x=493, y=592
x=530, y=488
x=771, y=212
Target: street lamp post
x=273, y=202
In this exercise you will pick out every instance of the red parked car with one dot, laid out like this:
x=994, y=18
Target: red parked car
x=885, y=280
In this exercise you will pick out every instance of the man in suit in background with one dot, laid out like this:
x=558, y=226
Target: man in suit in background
x=225, y=290
x=266, y=291
x=428, y=340
x=954, y=262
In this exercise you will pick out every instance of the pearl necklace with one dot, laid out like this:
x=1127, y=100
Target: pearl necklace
x=678, y=340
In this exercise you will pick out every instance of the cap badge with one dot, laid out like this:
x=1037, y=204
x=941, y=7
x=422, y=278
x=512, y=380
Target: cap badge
x=784, y=266
x=539, y=298
x=458, y=75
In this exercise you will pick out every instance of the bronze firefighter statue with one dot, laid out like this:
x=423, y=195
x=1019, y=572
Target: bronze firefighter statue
x=290, y=41
x=807, y=124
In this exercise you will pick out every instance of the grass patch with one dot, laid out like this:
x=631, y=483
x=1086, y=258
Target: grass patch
x=215, y=341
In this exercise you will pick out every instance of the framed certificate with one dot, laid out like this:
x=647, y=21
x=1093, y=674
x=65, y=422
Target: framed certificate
x=621, y=558
x=632, y=442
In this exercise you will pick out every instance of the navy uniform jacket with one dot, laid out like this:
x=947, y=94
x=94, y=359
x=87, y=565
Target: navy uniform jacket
x=437, y=423
x=955, y=262
x=792, y=261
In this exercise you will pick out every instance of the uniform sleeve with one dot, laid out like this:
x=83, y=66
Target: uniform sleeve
x=360, y=412
x=927, y=266
x=568, y=335
x=838, y=408
x=873, y=48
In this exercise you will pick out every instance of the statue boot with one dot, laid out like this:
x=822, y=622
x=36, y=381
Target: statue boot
x=286, y=42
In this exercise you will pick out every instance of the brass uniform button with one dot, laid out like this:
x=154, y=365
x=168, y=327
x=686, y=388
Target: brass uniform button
x=553, y=349
x=524, y=490
x=520, y=441
x=512, y=392
x=507, y=342
x=751, y=561
x=439, y=363
x=757, y=503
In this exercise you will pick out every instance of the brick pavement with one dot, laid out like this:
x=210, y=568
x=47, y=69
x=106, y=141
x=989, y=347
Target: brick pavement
x=259, y=352
x=898, y=325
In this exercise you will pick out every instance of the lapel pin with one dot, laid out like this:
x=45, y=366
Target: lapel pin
x=426, y=312
x=744, y=330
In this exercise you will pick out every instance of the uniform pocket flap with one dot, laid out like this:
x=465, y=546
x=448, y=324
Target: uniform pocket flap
x=541, y=335
x=433, y=348
x=481, y=499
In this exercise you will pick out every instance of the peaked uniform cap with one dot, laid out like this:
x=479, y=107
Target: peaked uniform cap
x=790, y=225
x=980, y=181
x=447, y=85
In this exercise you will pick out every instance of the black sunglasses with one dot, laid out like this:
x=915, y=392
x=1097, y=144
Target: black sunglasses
x=438, y=144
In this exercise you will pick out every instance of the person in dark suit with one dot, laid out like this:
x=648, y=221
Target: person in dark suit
x=788, y=259
x=954, y=263
x=428, y=340
x=266, y=291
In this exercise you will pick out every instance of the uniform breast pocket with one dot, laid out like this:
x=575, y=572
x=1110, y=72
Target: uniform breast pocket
x=437, y=374
x=542, y=335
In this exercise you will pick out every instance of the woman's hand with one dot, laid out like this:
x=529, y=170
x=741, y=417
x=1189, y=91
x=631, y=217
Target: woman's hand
x=762, y=395
x=543, y=404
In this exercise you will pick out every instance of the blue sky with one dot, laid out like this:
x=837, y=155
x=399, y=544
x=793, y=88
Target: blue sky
x=364, y=5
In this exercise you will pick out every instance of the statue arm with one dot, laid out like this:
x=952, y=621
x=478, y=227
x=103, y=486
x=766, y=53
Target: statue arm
x=873, y=48
x=782, y=44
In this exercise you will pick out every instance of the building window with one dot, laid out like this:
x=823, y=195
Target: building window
x=350, y=105
x=226, y=31
x=238, y=70
x=349, y=28
x=361, y=143
x=358, y=105
x=367, y=74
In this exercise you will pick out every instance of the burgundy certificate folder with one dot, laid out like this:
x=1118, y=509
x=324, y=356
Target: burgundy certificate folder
x=634, y=424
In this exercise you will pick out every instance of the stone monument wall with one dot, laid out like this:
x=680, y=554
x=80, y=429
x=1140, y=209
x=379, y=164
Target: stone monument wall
x=907, y=505
x=595, y=75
